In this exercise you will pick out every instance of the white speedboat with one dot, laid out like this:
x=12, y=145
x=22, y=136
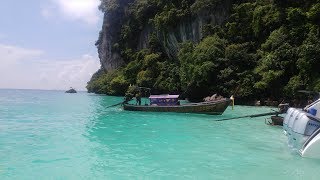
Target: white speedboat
x=302, y=127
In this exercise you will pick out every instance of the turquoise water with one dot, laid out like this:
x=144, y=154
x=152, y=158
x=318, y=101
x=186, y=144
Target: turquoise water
x=52, y=135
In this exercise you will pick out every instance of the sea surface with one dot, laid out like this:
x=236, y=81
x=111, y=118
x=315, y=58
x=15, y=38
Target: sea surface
x=53, y=135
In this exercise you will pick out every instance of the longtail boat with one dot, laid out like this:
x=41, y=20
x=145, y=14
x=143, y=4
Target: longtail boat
x=170, y=103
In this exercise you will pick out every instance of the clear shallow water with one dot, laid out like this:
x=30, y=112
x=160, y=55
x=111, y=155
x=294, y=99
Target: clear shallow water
x=52, y=135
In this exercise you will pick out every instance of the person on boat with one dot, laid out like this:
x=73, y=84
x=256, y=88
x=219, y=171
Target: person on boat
x=138, y=98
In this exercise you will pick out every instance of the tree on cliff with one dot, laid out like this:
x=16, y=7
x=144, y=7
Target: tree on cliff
x=256, y=48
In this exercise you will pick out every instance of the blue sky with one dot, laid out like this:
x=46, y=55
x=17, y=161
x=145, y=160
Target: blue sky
x=48, y=44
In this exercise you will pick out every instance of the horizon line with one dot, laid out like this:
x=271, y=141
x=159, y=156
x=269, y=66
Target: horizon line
x=39, y=89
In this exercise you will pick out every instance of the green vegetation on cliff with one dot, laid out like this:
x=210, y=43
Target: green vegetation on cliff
x=265, y=48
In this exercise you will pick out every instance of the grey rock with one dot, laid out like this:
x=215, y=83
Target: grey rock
x=188, y=30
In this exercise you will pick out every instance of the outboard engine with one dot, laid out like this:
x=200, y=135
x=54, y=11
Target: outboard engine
x=296, y=117
x=286, y=120
x=302, y=128
x=291, y=120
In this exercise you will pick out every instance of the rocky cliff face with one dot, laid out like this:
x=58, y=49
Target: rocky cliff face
x=109, y=35
x=109, y=58
x=190, y=29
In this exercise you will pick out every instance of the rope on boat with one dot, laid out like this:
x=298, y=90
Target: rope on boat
x=250, y=116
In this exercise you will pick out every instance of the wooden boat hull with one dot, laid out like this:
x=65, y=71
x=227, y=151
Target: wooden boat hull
x=215, y=107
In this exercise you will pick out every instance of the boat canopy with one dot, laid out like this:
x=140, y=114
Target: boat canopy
x=164, y=96
x=164, y=100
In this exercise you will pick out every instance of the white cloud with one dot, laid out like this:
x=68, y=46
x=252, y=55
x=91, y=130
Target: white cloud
x=25, y=68
x=82, y=10
x=11, y=54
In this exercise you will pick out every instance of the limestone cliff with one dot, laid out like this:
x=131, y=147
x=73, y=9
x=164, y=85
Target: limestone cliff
x=198, y=48
x=189, y=29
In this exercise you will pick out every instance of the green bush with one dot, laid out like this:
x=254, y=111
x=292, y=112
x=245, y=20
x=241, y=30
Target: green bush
x=265, y=49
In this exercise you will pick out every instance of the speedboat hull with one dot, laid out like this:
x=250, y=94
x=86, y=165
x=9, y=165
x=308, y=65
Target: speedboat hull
x=311, y=147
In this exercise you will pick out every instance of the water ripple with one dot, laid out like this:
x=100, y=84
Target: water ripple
x=49, y=134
